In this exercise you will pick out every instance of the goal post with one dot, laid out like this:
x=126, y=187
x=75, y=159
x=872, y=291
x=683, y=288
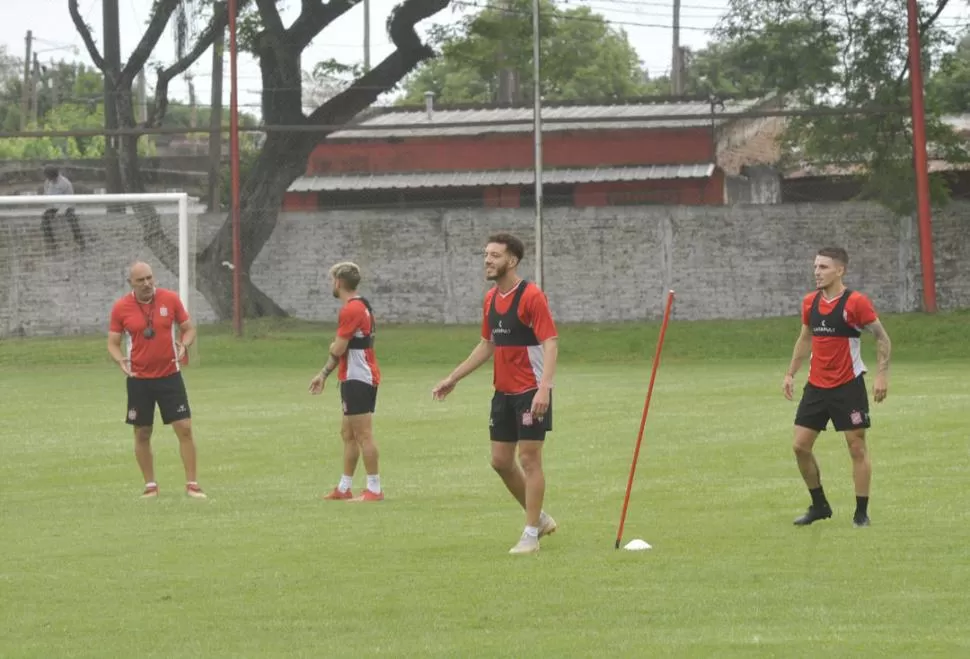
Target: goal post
x=62, y=257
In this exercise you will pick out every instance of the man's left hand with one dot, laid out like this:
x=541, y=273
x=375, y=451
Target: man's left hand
x=179, y=351
x=540, y=403
x=881, y=388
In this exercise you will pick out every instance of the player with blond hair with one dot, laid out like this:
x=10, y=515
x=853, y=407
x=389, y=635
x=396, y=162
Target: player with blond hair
x=352, y=355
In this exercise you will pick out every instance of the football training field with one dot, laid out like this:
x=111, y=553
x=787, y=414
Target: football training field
x=264, y=568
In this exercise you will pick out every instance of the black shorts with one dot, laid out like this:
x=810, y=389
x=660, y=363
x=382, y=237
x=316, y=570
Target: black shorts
x=358, y=397
x=847, y=406
x=511, y=419
x=168, y=393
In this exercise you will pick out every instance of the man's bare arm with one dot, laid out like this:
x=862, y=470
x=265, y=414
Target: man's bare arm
x=479, y=355
x=883, y=346
x=114, y=347
x=550, y=355
x=802, y=351
x=337, y=348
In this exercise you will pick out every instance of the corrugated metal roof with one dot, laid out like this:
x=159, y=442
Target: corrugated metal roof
x=413, y=123
x=503, y=177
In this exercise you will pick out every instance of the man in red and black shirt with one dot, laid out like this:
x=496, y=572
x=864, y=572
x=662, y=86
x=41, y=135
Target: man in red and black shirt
x=518, y=330
x=833, y=318
x=147, y=319
x=352, y=355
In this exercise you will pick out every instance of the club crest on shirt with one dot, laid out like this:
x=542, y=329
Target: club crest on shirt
x=163, y=311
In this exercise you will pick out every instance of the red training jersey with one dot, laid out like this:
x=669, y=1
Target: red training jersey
x=837, y=360
x=154, y=357
x=356, y=323
x=518, y=368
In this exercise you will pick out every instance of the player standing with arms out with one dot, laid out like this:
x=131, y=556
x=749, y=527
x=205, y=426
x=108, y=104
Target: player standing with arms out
x=359, y=376
x=147, y=318
x=518, y=329
x=833, y=318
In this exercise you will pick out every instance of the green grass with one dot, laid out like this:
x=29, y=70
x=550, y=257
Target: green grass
x=266, y=569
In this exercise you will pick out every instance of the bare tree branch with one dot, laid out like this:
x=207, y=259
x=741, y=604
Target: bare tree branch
x=85, y=33
x=409, y=53
x=217, y=24
x=156, y=26
x=315, y=16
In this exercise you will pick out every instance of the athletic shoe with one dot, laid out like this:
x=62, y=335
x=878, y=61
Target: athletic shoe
x=367, y=495
x=547, y=525
x=194, y=491
x=527, y=544
x=151, y=491
x=814, y=514
x=860, y=522
x=337, y=495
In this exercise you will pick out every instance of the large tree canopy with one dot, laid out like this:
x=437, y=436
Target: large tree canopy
x=284, y=153
x=845, y=65
x=582, y=57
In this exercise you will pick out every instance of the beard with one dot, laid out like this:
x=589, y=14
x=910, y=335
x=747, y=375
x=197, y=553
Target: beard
x=336, y=293
x=500, y=271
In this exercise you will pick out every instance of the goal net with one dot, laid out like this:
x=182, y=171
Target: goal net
x=63, y=259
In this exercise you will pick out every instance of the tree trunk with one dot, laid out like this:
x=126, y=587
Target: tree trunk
x=282, y=159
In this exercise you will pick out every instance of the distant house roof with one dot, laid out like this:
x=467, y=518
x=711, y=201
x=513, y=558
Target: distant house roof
x=414, y=122
x=503, y=177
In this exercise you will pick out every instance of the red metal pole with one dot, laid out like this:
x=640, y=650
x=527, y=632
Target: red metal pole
x=919, y=161
x=237, y=316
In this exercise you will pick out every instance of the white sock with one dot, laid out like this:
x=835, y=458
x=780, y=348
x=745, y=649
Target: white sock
x=151, y=484
x=532, y=531
x=345, y=482
x=374, y=483
x=543, y=517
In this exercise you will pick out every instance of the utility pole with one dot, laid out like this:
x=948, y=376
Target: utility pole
x=676, y=67
x=366, y=36
x=507, y=78
x=25, y=92
x=112, y=69
x=35, y=92
x=142, y=98
x=215, y=125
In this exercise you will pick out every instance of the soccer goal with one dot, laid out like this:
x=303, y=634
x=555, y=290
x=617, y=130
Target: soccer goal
x=63, y=259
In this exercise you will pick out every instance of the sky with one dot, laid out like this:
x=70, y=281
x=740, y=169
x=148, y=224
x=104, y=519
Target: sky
x=647, y=23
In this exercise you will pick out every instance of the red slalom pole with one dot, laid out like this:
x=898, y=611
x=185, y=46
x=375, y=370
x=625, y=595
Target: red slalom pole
x=646, y=407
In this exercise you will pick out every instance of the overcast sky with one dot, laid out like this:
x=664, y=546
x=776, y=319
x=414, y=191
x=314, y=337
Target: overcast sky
x=647, y=23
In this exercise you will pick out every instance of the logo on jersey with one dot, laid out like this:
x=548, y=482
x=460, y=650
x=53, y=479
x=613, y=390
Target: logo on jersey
x=500, y=329
x=823, y=329
x=163, y=311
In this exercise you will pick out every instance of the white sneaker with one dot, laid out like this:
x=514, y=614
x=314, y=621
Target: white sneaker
x=527, y=545
x=547, y=525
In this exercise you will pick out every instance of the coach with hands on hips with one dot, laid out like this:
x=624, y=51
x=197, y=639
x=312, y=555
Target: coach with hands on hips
x=147, y=318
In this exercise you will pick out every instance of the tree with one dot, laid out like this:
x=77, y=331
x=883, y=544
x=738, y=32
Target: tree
x=283, y=155
x=581, y=57
x=949, y=87
x=855, y=108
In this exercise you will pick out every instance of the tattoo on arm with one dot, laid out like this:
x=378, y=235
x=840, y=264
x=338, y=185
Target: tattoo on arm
x=331, y=364
x=883, y=345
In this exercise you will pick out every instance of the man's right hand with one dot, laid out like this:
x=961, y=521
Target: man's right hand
x=443, y=388
x=788, y=386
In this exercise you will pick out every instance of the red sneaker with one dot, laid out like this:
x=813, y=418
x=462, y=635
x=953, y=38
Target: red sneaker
x=194, y=491
x=337, y=495
x=367, y=495
x=150, y=492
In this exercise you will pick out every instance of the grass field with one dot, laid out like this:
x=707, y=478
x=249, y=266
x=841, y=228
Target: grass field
x=266, y=569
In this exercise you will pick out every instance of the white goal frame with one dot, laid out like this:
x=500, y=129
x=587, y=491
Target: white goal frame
x=124, y=198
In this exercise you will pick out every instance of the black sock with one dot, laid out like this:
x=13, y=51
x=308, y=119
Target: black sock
x=861, y=507
x=818, y=498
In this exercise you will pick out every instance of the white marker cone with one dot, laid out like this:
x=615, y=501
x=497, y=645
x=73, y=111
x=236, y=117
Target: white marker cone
x=636, y=545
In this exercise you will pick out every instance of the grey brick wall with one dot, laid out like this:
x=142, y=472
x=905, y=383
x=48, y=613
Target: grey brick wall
x=604, y=264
